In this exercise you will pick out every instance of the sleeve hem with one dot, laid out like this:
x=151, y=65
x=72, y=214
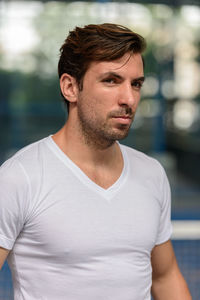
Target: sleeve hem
x=6, y=243
x=165, y=238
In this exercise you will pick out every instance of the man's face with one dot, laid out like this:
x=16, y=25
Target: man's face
x=109, y=98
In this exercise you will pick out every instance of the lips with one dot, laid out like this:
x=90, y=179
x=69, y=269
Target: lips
x=123, y=119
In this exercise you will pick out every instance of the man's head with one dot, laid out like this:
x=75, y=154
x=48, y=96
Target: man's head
x=95, y=43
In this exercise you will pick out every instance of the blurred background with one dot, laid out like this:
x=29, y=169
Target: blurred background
x=167, y=124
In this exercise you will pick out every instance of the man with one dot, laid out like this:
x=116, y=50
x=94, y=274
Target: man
x=83, y=217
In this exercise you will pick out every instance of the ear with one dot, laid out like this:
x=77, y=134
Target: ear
x=69, y=87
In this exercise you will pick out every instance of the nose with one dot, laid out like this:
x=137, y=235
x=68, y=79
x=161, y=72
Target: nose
x=128, y=96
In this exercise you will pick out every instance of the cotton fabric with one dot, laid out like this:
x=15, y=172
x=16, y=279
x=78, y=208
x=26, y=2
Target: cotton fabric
x=70, y=239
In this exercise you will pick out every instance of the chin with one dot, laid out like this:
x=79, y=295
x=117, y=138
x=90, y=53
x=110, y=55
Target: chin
x=118, y=135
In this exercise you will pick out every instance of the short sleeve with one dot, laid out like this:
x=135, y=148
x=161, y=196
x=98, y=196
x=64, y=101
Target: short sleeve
x=14, y=193
x=165, y=225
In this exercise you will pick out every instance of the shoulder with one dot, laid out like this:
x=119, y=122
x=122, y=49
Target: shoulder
x=25, y=156
x=32, y=150
x=18, y=169
x=141, y=160
x=146, y=171
x=20, y=176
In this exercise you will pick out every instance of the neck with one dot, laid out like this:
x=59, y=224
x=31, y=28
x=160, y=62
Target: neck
x=80, y=149
x=102, y=164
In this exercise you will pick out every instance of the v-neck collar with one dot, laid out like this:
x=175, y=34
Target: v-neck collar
x=106, y=193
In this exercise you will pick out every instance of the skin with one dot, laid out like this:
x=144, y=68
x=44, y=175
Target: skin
x=167, y=280
x=106, y=111
x=3, y=255
x=101, y=113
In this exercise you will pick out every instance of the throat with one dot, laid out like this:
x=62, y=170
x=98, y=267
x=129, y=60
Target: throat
x=103, y=177
x=103, y=167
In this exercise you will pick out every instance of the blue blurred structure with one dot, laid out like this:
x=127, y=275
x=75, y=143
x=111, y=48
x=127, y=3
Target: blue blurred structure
x=6, y=291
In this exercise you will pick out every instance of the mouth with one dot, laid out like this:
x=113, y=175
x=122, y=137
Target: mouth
x=123, y=119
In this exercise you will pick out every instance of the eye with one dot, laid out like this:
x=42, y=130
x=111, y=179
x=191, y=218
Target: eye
x=137, y=84
x=110, y=80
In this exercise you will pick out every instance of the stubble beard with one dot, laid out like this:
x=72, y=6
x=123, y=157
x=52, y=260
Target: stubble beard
x=99, y=134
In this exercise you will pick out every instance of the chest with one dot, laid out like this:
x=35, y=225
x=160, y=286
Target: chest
x=74, y=224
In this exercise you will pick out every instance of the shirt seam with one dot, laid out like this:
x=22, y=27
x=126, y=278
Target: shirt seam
x=29, y=186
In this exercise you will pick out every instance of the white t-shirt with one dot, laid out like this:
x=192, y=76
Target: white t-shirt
x=73, y=240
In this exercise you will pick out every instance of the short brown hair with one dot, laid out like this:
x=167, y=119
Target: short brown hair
x=102, y=42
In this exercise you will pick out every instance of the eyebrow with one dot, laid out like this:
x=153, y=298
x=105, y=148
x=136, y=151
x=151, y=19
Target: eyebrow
x=142, y=78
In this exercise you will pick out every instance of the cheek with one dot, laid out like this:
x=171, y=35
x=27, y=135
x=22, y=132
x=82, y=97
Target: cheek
x=88, y=106
x=97, y=101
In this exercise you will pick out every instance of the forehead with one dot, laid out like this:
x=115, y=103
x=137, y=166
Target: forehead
x=129, y=64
